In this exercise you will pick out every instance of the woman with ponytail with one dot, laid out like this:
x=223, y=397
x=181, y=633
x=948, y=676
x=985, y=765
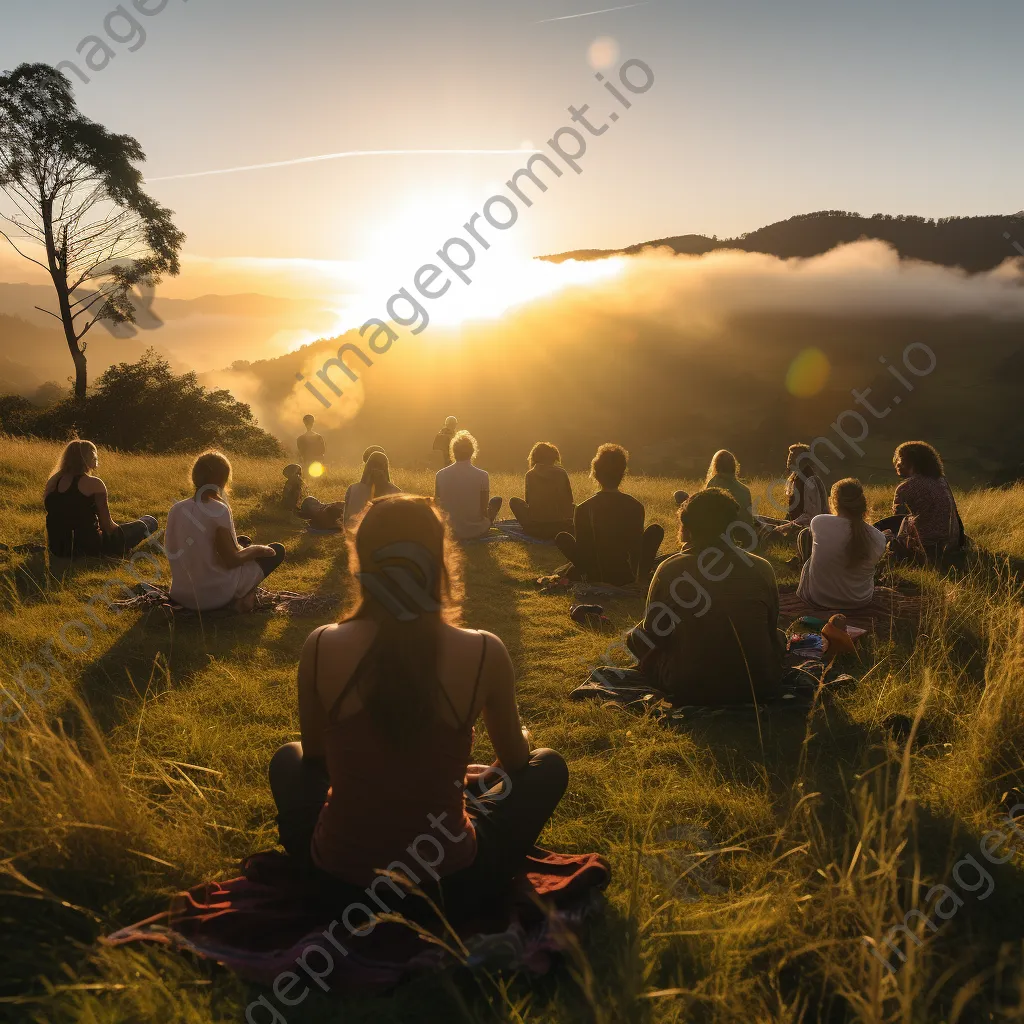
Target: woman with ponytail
x=841, y=551
x=388, y=699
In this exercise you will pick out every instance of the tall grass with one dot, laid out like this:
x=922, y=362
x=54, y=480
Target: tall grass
x=756, y=863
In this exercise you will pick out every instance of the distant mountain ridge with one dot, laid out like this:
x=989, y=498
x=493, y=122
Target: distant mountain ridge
x=974, y=244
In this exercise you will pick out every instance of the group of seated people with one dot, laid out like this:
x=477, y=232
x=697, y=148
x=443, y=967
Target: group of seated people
x=387, y=703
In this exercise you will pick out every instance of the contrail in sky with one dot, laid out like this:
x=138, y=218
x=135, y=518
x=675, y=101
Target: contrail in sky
x=342, y=156
x=587, y=14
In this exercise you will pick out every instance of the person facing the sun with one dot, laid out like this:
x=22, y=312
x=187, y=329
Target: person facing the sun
x=310, y=445
x=443, y=440
x=463, y=491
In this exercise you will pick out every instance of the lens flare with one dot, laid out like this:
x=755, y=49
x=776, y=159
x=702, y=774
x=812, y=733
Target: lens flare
x=603, y=53
x=808, y=373
x=317, y=469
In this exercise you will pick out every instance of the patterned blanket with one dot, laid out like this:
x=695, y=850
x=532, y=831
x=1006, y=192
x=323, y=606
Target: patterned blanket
x=886, y=606
x=276, y=602
x=267, y=920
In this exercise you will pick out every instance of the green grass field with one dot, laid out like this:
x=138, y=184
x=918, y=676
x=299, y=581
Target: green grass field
x=750, y=858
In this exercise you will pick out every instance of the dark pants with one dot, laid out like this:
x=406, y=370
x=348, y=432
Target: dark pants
x=493, y=508
x=536, y=527
x=891, y=523
x=268, y=564
x=128, y=536
x=507, y=825
x=582, y=566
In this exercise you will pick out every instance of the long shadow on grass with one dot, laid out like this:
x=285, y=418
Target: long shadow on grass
x=156, y=647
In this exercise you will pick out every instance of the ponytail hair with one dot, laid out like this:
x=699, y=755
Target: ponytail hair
x=848, y=500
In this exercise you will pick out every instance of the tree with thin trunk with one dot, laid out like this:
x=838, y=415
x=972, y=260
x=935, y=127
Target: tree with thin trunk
x=79, y=210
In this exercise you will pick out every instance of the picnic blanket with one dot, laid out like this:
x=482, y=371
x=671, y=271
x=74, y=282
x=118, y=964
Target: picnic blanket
x=263, y=922
x=630, y=688
x=513, y=529
x=886, y=605
x=581, y=590
x=492, y=535
x=147, y=596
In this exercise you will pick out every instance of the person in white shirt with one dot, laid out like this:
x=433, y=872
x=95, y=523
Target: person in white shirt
x=211, y=566
x=463, y=491
x=841, y=552
x=375, y=483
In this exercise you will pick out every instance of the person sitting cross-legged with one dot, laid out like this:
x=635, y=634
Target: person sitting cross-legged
x=387, y=702
x=709, y=634
x=212, y=567
x=840, y=552
x=609, y=543
x=463, y=491
x=375, y=483
x=924, y=497
x=548, y=508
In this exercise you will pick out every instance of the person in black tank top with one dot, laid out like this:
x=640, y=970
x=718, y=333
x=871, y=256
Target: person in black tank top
x=78, y=522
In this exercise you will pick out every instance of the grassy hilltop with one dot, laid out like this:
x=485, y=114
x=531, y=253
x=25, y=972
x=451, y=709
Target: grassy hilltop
x=750, y=858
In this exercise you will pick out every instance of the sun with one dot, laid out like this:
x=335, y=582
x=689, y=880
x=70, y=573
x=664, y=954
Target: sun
x=503, y=275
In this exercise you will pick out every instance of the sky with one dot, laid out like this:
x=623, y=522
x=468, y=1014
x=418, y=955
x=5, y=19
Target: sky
x=758, y=111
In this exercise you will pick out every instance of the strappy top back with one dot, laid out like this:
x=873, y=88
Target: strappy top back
x=385, y=803
x=72, y=522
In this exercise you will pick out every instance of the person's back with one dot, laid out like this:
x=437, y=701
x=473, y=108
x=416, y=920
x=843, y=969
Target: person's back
x=549, y=494
x=360, y=494
x=828, y=580
x=930, y=501
x=311, y=446
x=368, y=770
x=738, y=489
x=443, y=440
x=388, y=699
x=458, y=489
x=609, y=531
x=199, y=579
x=72, y=518
x=211, y=567
x=725, y=648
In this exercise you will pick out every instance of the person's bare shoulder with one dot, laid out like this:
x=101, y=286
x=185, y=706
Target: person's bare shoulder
x=92, y=485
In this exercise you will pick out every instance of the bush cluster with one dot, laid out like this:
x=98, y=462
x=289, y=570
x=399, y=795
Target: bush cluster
x=144, y=407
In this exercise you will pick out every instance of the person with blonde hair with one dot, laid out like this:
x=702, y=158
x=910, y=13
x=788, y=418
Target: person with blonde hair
x=463, y=491
x=387, y=699
x=375, y=483
x=841, y=551
x=724, y=472
x=78, y=521
x=548, y=508
x=213, y=567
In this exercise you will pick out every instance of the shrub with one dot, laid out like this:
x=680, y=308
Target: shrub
x=145, y=407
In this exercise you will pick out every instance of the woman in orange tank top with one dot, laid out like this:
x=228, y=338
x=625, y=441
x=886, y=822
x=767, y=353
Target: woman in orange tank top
x=388, y=698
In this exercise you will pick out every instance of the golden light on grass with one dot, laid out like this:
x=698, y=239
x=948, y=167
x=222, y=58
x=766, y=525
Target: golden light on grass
x=808, y=373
